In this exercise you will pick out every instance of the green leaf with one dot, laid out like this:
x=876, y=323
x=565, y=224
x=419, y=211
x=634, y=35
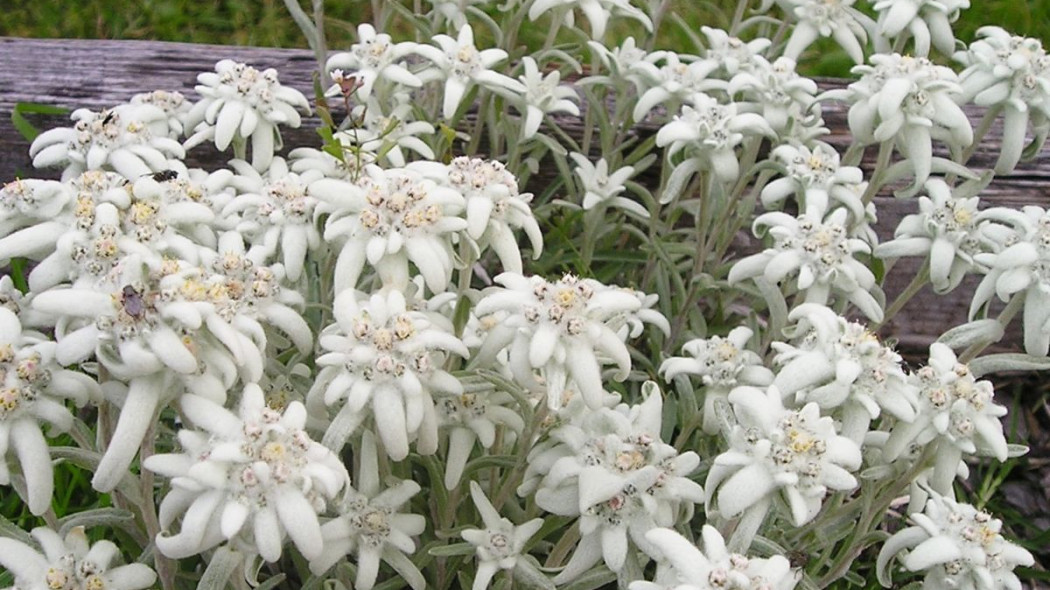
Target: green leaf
x=529, y=576
x=18, y=119
x=223, y=562
x=108, y=517
x=13, y=531
x=596, y=578
x=452, y=550
x=271, y=582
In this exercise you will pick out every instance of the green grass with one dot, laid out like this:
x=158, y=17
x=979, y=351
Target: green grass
x=266, y=22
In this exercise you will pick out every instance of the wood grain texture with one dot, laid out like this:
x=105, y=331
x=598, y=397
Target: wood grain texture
x=99, y=74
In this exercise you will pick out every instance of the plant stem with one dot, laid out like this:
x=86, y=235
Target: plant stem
x=917, y=283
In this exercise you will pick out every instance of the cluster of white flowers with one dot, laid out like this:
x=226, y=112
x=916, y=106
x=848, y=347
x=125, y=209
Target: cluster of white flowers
x=295, y=320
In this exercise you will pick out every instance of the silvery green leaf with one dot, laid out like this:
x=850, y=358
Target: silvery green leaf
x=1015, y=450
x=528, y=576
x=596, y=578
x=1008, y=361
x=978, y=331
x=876, y=472
x=223, y=562
x=451, y=550
x=12, y=531
x=109, y=517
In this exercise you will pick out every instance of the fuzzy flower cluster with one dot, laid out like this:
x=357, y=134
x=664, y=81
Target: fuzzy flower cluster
x=776, y=451
x=956, y=413
x=71, y=563
x=249, y=478
x=681, y=565
x=564, y=330
x=844, y=368
x=384, y=360
x=612, y=470
x=1012, y=73
x=957, y=546
x=242, y=103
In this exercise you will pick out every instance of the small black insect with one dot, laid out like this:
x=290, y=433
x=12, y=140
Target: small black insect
x=108, y=118
x=797, y=558
x=164, y=175
x=131, y=299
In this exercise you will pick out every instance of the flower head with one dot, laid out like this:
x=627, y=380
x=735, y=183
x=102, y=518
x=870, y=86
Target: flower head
x=385, y=361
x=373, y=58
x=459, y=62
x=796, y=454
x=827, y=18
x=911, y=100
x=602, y=189
x=544, y=95
x=821, y=251
x=925, y=21
x=597, y=12
x=389, y=218
x=722, y=363
x=372, y=526
x=71, y=563
x=684, y=566
x=957, y=546
x=1014, y=73
x=33, y=391
x=130, y=139
x=241, y=103
x=560, y=328
x=946, y=229
x=249, y=478
x=620, y=478
x=500, y=544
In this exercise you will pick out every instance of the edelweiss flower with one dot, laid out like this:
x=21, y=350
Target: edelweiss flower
x=1012, y=73
x=473, y=416
x=173, y=104
x=946, y=229
x=676, y=80
x=130, y=139
x=145, y=326
x=385, y=360
x=597, y=13
x=956, y=412
x=621, y=62
x=823, y=254
x=241, y=103
x=795, y=455
x=601, y=189
x=494, y=206
x=620, y=479
x=70, y=564
x=388, y=219
x=731, y=53
x=844, y=368
x=681, y=565
x=924, y=20
x=33, y=390
x=544, y=96
x=372, y=58
x=380, y=133
x=500, y=545
x=827, y=18
x=815, y=178
x=371, y=526
x=276, y=213
x=557, y=328
x=29, y=202
x=708, y=132
x=1021, y=268
x=958, y=546
x=461, y=65
x=911, y=100
x=786, y=100
x=248, y=479
x=722, y=364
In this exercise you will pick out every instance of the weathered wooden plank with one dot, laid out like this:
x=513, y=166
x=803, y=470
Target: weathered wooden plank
x=98, y=74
